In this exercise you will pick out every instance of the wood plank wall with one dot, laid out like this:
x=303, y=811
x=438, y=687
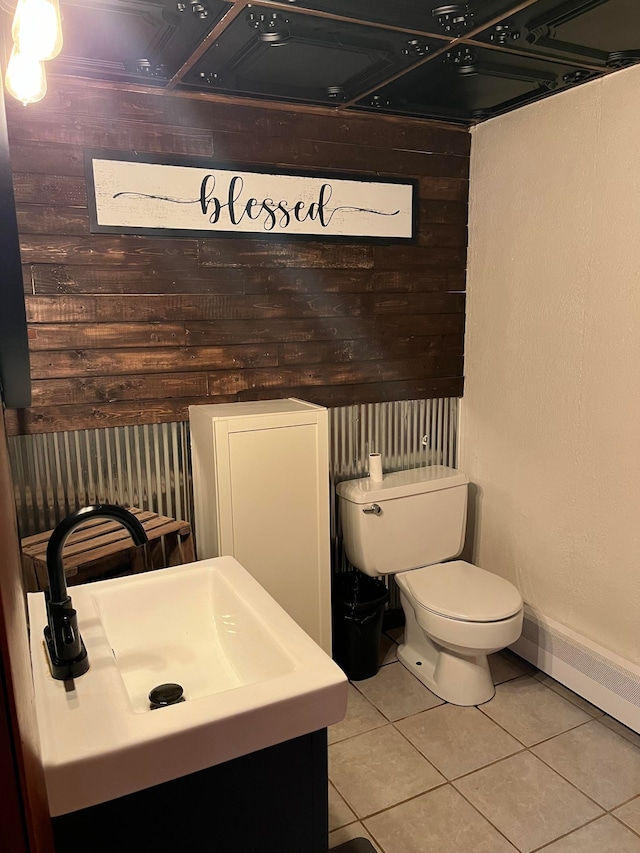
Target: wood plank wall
x=132, y=329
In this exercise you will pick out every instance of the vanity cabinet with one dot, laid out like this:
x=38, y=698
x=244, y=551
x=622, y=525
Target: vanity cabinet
x=272, y=800
x=261, y=494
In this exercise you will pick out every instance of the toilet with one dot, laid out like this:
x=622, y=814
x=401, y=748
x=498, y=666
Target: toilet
x=456, y=613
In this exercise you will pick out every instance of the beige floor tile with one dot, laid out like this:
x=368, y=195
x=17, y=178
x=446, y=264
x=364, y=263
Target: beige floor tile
x=629, y=813
x=458, y=740
x=348, y=833
x=397, y=693
x=568, y=694
x=527, y=801
x=596, y=760
x=361, y=717
x=379, y=769
x=531, y=712
x=604, y=835
x=438, y=822
x=339, y=812
x=618, y=728
x=505, y=665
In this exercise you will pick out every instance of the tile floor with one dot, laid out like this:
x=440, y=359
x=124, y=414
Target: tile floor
x=535, y=769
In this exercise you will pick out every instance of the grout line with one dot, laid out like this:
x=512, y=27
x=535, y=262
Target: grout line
x=419, y=751
x=574, y=698
x=356, y=819
x=569, y=782
x=545, y=739
x=548, y=844
x=331, y=785
x=484, y=817
x=626, y=825
x=363, y=732
x=623, y=734
x=559, y=734
x=625, y=803
x=405, y=801
x=375, y=838
x=489, y=764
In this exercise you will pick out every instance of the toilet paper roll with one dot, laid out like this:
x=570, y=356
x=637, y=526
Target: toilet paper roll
x=375, y=467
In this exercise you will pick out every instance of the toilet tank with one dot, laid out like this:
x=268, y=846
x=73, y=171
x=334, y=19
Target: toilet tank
x=421, y=519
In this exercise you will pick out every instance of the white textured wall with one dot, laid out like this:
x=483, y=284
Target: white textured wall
x=550, y=420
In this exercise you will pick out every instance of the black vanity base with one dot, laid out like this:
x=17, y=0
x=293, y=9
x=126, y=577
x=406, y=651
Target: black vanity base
x=272, y=800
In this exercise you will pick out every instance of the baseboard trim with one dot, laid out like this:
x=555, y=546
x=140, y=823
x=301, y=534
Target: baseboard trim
x=603, y=678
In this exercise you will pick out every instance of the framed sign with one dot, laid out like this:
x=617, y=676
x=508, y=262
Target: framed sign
x=139, y=194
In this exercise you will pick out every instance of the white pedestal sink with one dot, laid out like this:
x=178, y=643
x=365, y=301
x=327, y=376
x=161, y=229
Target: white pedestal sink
x=251, y=677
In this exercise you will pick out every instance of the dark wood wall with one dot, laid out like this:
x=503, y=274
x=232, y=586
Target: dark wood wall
x=132, y=329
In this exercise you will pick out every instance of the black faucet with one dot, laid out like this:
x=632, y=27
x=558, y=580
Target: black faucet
x=67, y=653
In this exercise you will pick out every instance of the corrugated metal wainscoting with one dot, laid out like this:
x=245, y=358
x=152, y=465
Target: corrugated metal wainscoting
x=150, y=467
x=145, y=466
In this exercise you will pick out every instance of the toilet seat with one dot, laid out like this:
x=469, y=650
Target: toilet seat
x=462, y=591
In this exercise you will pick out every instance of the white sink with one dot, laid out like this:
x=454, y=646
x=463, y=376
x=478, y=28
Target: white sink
x=251, y=678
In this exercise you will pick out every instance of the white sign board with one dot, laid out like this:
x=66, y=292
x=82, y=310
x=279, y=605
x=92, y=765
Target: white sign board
x=143, y=197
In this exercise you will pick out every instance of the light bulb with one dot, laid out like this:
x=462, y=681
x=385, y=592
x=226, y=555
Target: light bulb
x=25, y=78
x=37, y=28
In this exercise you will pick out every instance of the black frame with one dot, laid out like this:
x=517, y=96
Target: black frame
x=206, y=163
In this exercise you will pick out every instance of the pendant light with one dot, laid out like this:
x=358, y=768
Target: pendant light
x=25, y=78
x=37, y=28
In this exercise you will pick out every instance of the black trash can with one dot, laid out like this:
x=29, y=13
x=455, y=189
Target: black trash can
x=357, y=610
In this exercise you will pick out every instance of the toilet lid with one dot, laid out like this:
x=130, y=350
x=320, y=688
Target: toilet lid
x=461, y=590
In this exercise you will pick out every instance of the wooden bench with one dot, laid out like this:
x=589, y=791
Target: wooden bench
x=102, y=548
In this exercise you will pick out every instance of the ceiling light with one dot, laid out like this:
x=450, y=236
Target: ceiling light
x=25, y=78
x=37, y=28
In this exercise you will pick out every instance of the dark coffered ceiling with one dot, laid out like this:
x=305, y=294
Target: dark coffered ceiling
x=459, y=62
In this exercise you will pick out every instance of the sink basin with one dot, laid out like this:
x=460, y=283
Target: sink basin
x=193, y=628
x=251, y=678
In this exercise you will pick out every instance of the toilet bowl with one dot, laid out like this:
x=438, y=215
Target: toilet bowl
x=455, y=613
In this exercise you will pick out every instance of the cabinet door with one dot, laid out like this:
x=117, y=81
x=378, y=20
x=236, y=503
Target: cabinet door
x=278, y=521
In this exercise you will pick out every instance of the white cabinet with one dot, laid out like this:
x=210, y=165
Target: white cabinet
x=261, y=492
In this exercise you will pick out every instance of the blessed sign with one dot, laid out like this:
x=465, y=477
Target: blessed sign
x=145, y=197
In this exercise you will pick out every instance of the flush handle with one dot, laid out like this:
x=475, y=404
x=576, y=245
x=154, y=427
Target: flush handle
x=374, y=509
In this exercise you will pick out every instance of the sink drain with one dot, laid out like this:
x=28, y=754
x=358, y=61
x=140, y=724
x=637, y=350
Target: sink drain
x=164, y=695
